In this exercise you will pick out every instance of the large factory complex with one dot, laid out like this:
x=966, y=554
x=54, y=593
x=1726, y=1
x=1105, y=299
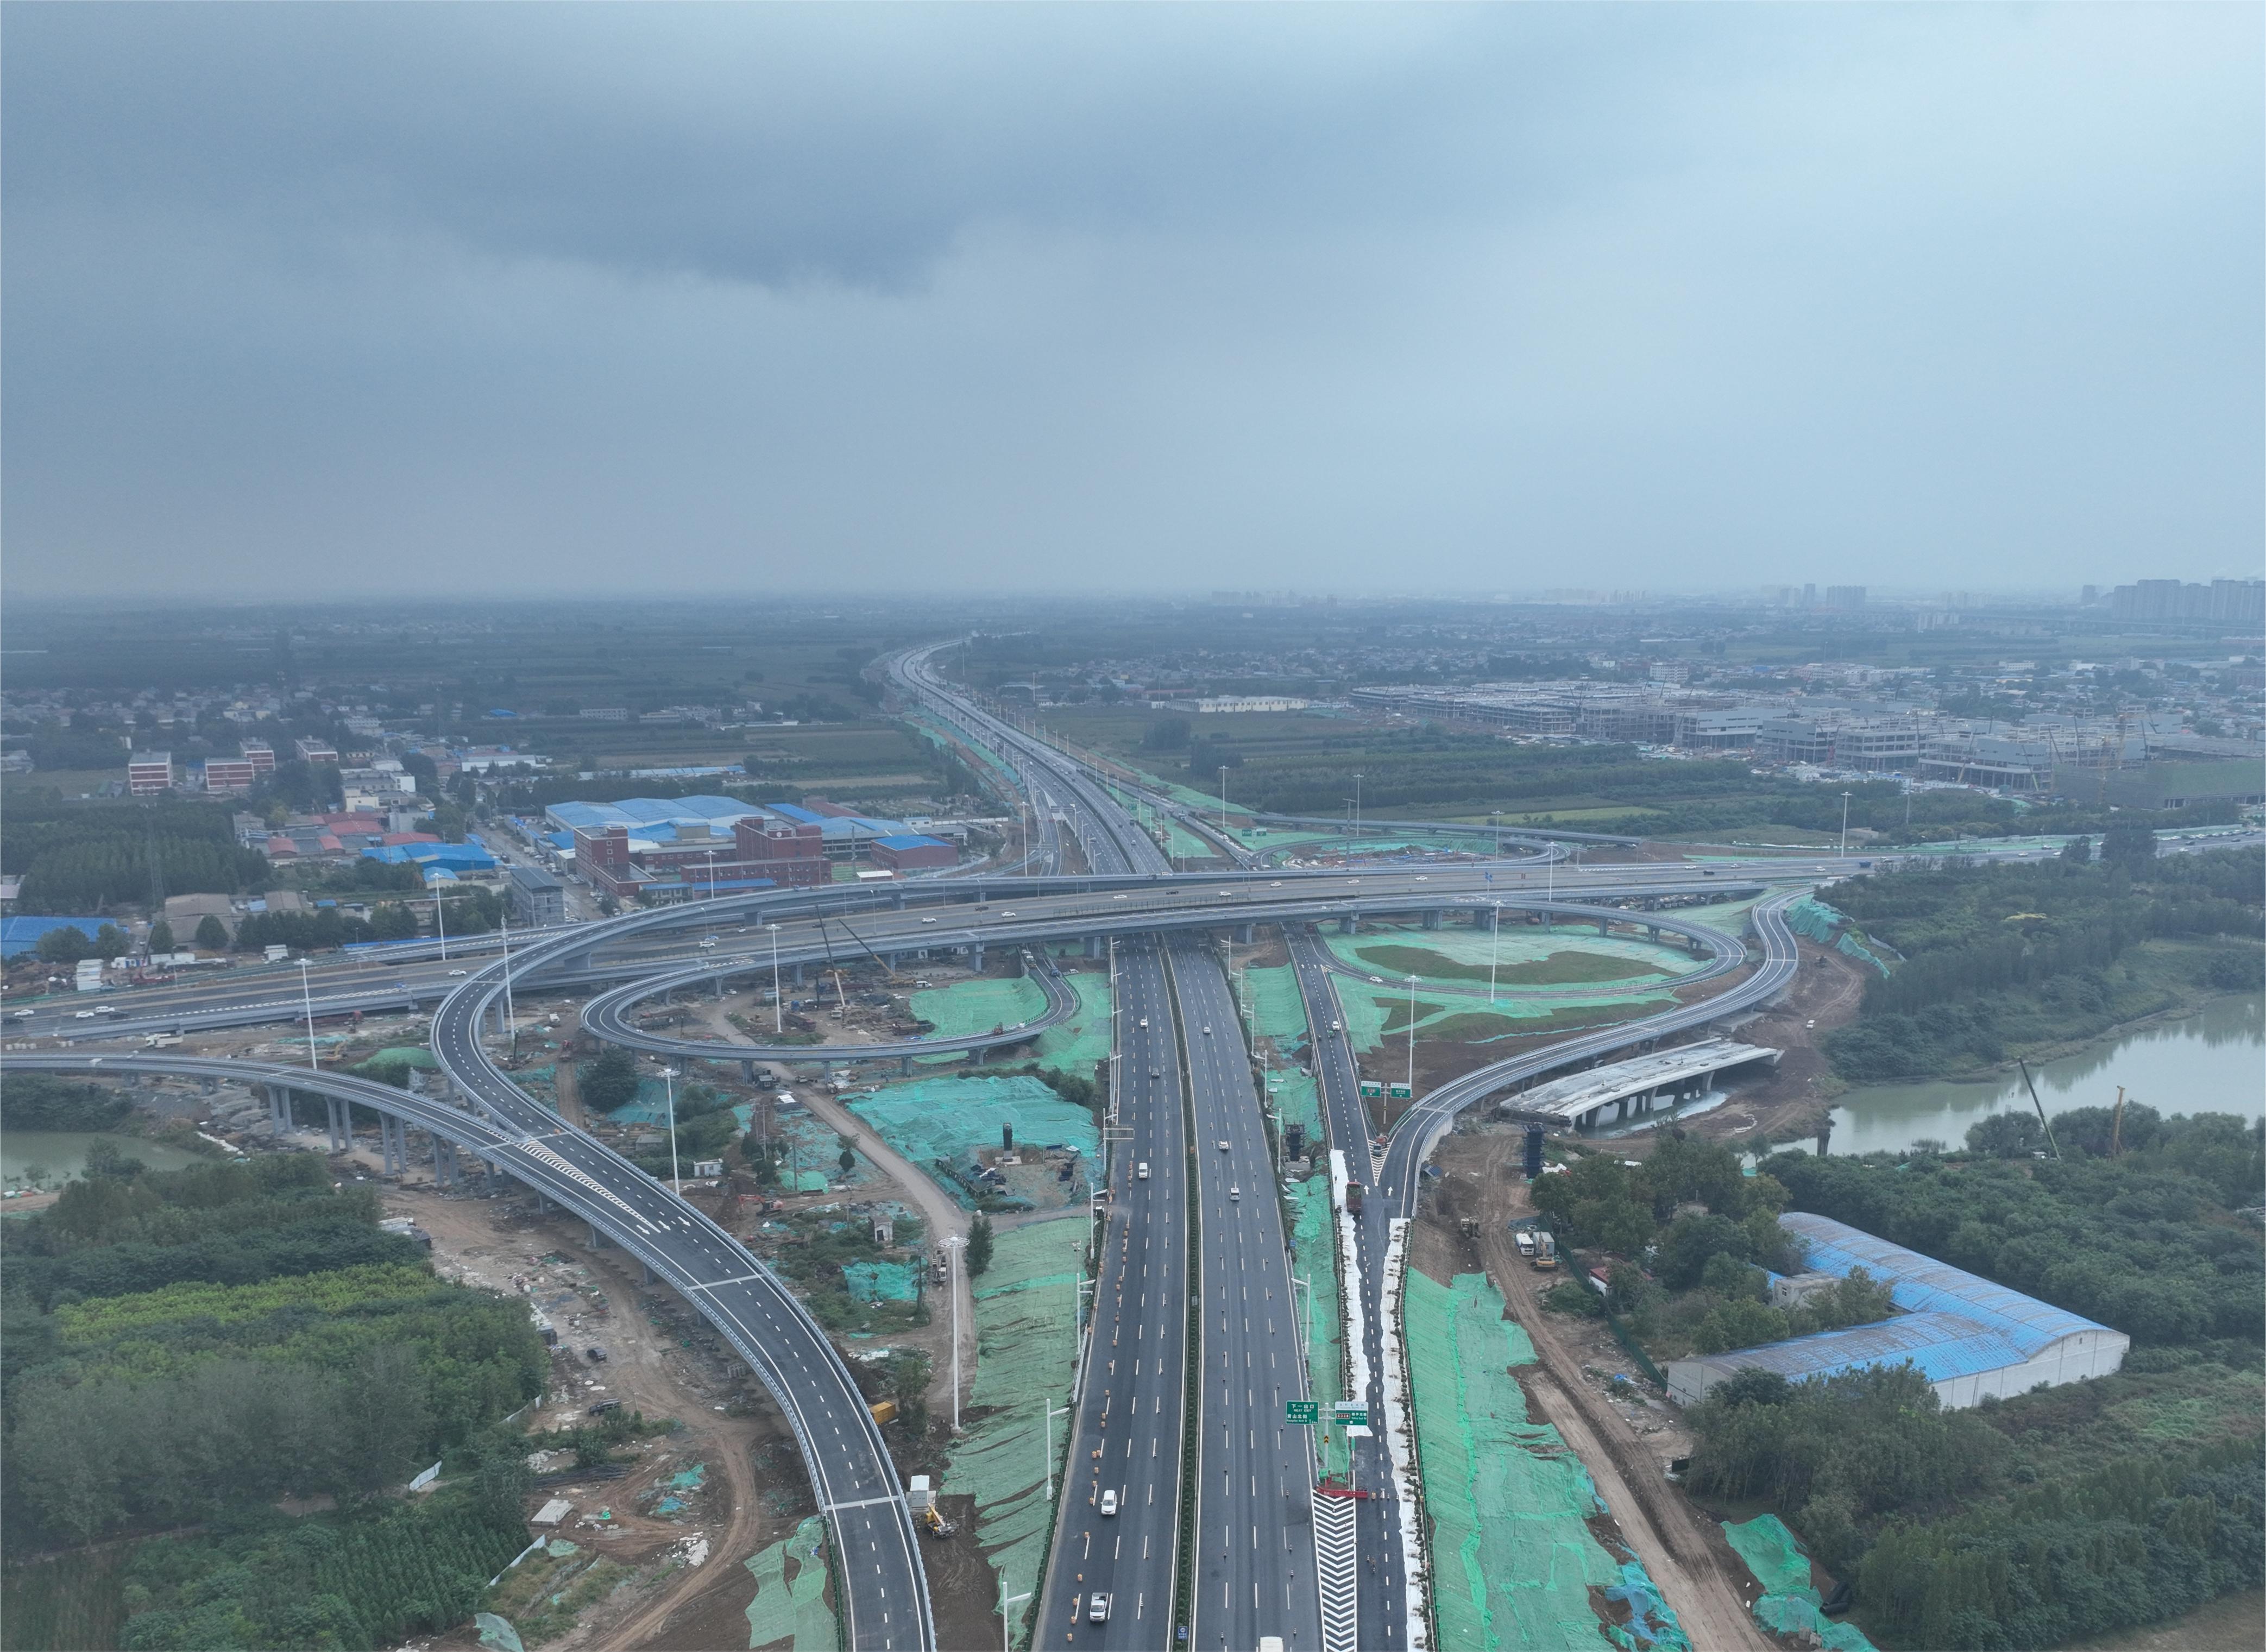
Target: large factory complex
x=655, y=849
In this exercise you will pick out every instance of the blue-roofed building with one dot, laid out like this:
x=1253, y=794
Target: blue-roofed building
x=1969, y=1337
x=465, y=857
x=22, y=934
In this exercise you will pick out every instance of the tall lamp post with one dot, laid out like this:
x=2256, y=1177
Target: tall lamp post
x=1844, y=823
x=1223, y=800
x=511, y=1014
x=1047, y=1441
x=1006, y=1602
x=1412, y=1038
x=668, y=1082
x=953, y=1244
x=1494, y=951
x=778, y=1003
x=307, y=997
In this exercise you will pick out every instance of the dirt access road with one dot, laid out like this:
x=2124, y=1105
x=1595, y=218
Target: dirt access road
x=1690, y=1562
x=483, y=1242
x=937, y=1208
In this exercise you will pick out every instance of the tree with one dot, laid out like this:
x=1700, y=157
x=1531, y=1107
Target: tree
x=109, y=941
x=979, y=1245
x=161, y=936
x=393, y=921
x=608, y=1082
x=2077, y=851
x=212, y=934
x=2131, y=847
x=66, y=945
x=848, y=1157
x=1690, y=1242
x=2006, y=1136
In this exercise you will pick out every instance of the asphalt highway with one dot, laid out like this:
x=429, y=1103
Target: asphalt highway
x=1127, y=1425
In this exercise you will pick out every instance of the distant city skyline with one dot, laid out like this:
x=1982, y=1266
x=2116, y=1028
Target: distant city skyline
x=325, y=303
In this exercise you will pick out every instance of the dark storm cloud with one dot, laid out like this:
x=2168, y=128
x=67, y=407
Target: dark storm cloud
x=1085, y=295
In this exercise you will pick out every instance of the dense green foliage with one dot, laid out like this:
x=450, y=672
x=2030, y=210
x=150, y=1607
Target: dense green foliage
x=93, y=857
x=1621, y=1207
x=2000, y=955
x=2140, y=1540
x=177, y=1344
x=261, y=1579
x=608, y=1082
x=2140, y=1243
x=41, y=1101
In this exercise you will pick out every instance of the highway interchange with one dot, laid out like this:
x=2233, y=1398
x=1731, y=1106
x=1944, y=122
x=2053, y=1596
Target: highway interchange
x=1184, y=1103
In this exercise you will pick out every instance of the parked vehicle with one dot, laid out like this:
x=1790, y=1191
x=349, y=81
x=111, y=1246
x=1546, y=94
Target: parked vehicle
x=1097, y=1610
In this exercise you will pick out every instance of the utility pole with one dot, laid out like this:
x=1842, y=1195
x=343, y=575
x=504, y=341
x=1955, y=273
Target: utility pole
x=1412, y=1038
x=1844, y=824
x=778, y=1003
x=1495, y=950
x=307, y=997
x=953, y=1244
x=510, y=1015
x=669, y=1083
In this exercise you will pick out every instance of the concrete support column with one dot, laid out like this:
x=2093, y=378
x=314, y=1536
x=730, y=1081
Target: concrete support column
x=976, y=958
x=748, y=1071
x=897, y=899
x=904, y=1066
x=720, y=986
x=1652, y=933
x=1348, y=924
x=646, y=1276
x=1603, y=923
x=1432, y=918
x=598, y=1241
x=798, y=975
x=1095, y=947
x=1246, y=933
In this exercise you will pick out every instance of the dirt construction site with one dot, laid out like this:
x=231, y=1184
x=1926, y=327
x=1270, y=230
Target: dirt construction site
x=1624, y=1440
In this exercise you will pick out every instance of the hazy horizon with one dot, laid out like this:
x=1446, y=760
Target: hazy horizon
x=305, y=304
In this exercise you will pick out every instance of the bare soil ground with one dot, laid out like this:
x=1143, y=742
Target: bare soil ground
x=1793, y=1099
x=1684, y=1551
x=727, y=1423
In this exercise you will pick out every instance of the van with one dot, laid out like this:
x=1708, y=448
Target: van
x=1140, y=1171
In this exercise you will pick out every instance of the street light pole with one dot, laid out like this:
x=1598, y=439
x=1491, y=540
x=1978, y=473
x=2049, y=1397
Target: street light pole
x=1223, y=800
x=1844, y=824
x=1047, y=1441
x=1494, y=951
x=1007, y=1601
x=441, y=922
x=952, y=1242
x=779, y=1003
x=668, y=1082
x=511, y=1014
x=307, y=997
x=1412, y=1038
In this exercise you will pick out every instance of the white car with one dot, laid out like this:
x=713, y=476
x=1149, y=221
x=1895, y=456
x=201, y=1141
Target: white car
x=24, y=1015
x=1144, y=1021
x=928, y=920
x=1140, y=1171
x=458, y=972
x=82, y=1015
x=106, y=1009
x=1207, y=1032
x=1235, y=1193
x=1223, y=1147
x=1109, y=1502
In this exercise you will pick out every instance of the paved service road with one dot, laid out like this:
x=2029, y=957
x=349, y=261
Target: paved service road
x=1128, y=1429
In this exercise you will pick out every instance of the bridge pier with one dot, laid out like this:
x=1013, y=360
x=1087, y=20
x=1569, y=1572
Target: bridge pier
x=598, y=1242
x=1246, y=933
x=1094, y=946
x=897, y=899
x=393, y=1144
x=646, y=1276
x=904, y=1066
x=748, y=1071
x=1431, y=919
x=1652, y=933
x=341, y=1124
x=1349, y=925
x=798, y=975
x=1604, y=924
x=976, y=958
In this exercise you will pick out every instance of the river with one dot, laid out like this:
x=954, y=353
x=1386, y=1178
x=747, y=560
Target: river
x=62, y=1153
x=2206, y=1063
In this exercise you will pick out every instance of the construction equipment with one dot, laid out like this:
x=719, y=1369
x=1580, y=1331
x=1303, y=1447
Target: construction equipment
x=2044, y=1121
x=939, y=1527
x=1545, y=1250
x=2116, y=1126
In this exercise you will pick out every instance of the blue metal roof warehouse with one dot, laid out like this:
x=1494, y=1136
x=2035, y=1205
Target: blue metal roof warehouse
x=1969, y=1337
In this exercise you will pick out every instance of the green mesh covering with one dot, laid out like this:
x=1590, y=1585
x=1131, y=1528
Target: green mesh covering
x=1292, y=1092
x=939, y=1123
x=967, y=1007
x=1025, y=1344
x=1276, y=1009
x=1314, y=1258
x=1789, y=1604
x=1522, y=950
x=497, y=1632
x=790, y=1605
x=1513, y=1559
x=880, y=1282
x=405, y=1056
x=1081, y=1042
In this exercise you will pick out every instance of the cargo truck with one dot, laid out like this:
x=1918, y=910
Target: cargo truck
x=1545, y=1250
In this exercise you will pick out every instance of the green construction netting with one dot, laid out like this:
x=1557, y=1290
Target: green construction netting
x=1276, y=1009
x=1082, y=1040
x=405, y=1056
x=1789, y=1604
x=1297, y=1102
x=940, y=1123
x=814, y=1152
x=1314, y=1258
x=1025, y=1345
x=976, y=1007
x=793, y=1609
x=497, y=1632
x=880, y=1282
x=1812, y=919
x=1513, y=1557
x=1370, y=1009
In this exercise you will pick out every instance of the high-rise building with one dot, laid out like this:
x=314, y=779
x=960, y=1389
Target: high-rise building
x=150, y=773
x=1845, y=596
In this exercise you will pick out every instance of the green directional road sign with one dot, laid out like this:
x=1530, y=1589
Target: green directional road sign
x=1371, y=1089
x=1301, y=1411
x=1398, y=1092
x=1352, y=1414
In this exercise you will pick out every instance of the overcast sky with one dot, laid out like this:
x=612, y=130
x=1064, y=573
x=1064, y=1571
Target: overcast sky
x=305, y=301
